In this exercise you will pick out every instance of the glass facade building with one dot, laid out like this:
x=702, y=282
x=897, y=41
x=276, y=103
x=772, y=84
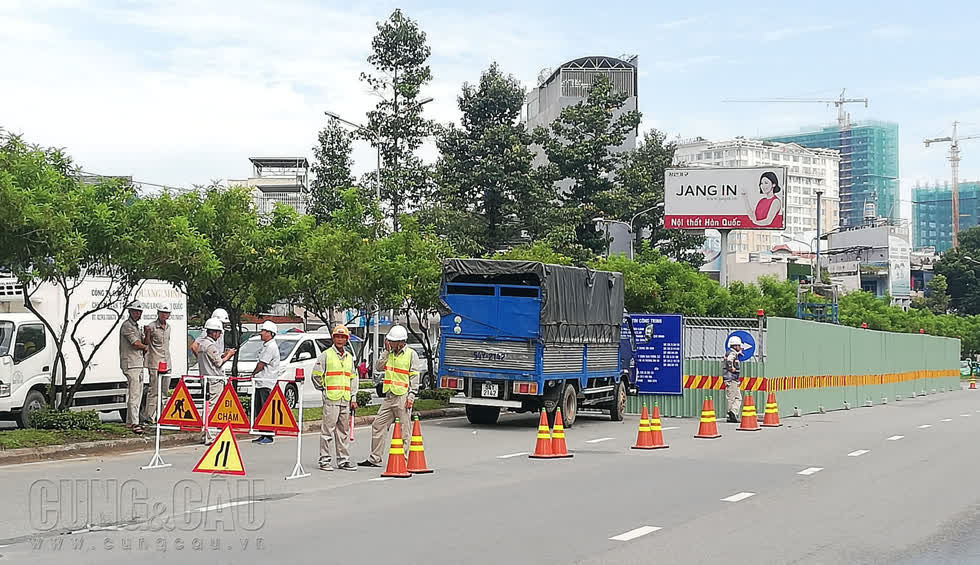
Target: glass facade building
x=868, y=166
x=932, y=213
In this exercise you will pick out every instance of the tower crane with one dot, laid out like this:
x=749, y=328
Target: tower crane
x=843, y=118
x=954, y=163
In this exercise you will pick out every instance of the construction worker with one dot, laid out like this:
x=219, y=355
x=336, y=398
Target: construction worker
x=401, y=383
x=221, y=315
x=157, y=340
x=209, y=363
x=266, y=371
x=334, y=375
x=131, y=350
x=730, y=368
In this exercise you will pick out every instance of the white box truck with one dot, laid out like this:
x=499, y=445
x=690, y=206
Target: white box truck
x=27, y=350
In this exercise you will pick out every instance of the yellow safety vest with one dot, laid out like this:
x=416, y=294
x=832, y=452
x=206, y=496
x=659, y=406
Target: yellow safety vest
x=337, y=374
x=398, y=370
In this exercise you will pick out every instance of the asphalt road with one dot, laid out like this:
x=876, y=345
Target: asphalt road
x=888, y=484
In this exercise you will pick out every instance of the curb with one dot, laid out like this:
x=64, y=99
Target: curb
x=145, y=443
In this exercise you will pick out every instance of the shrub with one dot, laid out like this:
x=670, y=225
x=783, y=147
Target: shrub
x=363, y=397
x=47, y=419
x=440, y=394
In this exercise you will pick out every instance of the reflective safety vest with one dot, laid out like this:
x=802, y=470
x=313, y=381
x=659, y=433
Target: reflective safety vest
x=337, y=374
x=398, y=370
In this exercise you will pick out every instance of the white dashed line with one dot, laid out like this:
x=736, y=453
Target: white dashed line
x=858, y=453
x=810, y=470
x=738, y=497
x=964, y=415
x=947, y=419
x=600, y=440
x=381, y=479
x=895, y=438
x=671, y=428
x=220, y=506
x=509, y=455
x=633, y=534
x=924, y=426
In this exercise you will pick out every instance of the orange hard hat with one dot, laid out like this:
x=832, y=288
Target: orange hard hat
x=341, y=329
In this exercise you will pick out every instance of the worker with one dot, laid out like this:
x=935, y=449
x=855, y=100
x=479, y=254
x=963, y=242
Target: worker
x=209, y=363
x=131, y=350
x=730, y=368
x=221, y=315
x=157, y=340
x=266, y=371
x=334, y=375
x=401, y=383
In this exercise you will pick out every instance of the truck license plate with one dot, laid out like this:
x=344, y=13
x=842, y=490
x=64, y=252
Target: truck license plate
x=490, y=390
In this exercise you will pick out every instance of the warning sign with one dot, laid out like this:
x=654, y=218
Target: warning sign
x=276, y=416
x=228, y=411
x=222, y=457
x=180, y=410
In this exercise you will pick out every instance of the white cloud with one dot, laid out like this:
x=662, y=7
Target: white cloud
x=793, y=32
x=891, y=31
x=673, y=24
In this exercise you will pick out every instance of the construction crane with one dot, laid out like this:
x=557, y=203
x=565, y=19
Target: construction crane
x=954, y=163
x=843, y=118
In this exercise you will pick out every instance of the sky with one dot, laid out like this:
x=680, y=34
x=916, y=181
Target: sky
x=180, y=93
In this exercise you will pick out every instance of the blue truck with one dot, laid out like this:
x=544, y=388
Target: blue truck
x=522, y=335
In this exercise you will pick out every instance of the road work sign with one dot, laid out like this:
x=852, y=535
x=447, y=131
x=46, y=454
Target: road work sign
x=228, y=411
x=276, y=416
x=222, y=457
x=180, y=410
x=659, y=353
x=748, y=343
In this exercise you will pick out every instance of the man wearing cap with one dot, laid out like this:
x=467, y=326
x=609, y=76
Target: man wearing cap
x=266, y=371
x=131, y=349
x=401, y=383
x=157, y=340
x=209, y=363
x=334, y=375
x=730, y=368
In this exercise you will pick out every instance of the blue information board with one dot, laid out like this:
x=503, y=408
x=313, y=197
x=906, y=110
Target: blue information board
x=659, y=353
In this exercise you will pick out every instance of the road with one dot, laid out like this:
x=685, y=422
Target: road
x=888, y=484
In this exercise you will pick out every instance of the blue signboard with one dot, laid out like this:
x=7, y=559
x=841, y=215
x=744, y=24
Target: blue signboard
x=748, y=344
x=659, y=353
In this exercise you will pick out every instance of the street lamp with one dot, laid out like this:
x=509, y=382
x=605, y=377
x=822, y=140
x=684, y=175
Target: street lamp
x=629, y=226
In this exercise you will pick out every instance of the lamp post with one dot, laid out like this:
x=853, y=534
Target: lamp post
x=629, y=226
x=819, y=198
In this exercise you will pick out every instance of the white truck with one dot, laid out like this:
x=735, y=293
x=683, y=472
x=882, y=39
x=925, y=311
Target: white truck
x=27, y=350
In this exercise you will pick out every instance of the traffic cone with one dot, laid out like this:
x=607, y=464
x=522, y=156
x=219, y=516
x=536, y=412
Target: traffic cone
x=542, y=450
x=655, y=432
x=771, y=418
x=416, y=452
x=644, y=439
x=708, y=428
x=750, y=421
x=396, y=455
x=973, y=382
x=558, y=448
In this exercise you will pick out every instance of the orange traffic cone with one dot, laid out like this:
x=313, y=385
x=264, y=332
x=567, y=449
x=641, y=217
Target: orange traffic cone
x=771, y=418
x=558, y=448
x=708, y=428
x=655, y=432
x=644, y=439
x=542, y=450
x=750, y=422
x=973, y=382
x=416, y=452
x=396, y=455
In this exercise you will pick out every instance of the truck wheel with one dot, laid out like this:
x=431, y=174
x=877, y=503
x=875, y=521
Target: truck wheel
x=34, y=402
x=569, y=406
x=617, y=410
x=482, y=415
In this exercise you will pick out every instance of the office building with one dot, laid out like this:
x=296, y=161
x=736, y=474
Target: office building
x=875, y=258
x=932, y=213
x=868, y=166
x=278, y=179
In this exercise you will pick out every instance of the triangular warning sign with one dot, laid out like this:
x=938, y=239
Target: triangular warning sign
x=180, y=409
x=222, y=456
x=276, y=416
x=228, y=411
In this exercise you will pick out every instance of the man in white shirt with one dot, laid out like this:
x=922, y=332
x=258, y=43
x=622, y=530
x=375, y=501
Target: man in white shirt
x=266, y=372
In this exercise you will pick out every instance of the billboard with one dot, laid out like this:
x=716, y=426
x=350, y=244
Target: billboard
x=744, y=198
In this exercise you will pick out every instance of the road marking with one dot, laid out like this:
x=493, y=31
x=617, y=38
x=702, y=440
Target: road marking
x=600, y=440
x=858, y=453
x=810, y=470
x=947, y=420
x=671, y=428
x=895, y=438
x=220, y=506
x=964, y=415
x=509, y=455
x=924, y=426
x=381, y=479
x=738, y=497
x=633, y=534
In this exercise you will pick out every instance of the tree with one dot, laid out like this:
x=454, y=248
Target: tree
x=331, y=169
x=936, y=300
x=959, y=266
x=399, y=57
x=582, y=148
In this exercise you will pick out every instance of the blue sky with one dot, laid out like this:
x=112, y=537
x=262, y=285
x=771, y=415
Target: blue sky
x=176, y=94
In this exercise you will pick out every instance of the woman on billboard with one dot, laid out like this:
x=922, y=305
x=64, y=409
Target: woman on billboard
x=766, y=212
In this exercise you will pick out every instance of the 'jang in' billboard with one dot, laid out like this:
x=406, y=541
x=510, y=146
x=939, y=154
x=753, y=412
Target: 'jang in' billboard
x=745, y=198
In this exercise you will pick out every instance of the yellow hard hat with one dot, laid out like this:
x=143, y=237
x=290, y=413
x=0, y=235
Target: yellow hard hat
x=341, y=329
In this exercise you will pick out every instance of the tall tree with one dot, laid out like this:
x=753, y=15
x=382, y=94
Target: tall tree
x=399, y=57
x=961, y=268
x=331, y=170
x=582, y=146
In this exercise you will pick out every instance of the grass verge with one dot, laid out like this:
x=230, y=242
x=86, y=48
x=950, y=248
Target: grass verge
x=16, y=439
x=310, y=414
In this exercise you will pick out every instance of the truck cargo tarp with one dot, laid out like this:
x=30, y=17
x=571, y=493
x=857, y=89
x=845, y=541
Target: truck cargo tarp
x=576, y=303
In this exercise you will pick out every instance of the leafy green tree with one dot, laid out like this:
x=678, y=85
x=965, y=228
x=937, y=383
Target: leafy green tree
x=962, y=271
x=331, y=171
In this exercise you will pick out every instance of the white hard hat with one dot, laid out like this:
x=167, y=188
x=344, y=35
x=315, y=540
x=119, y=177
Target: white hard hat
x=269, y=326
x=213, y=324
x=163, y=308
x=221, y=314
x=735, y=340
x=397, y=333
x=135, y=305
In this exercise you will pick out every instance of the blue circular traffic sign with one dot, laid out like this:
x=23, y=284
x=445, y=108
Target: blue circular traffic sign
x=748, y=343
